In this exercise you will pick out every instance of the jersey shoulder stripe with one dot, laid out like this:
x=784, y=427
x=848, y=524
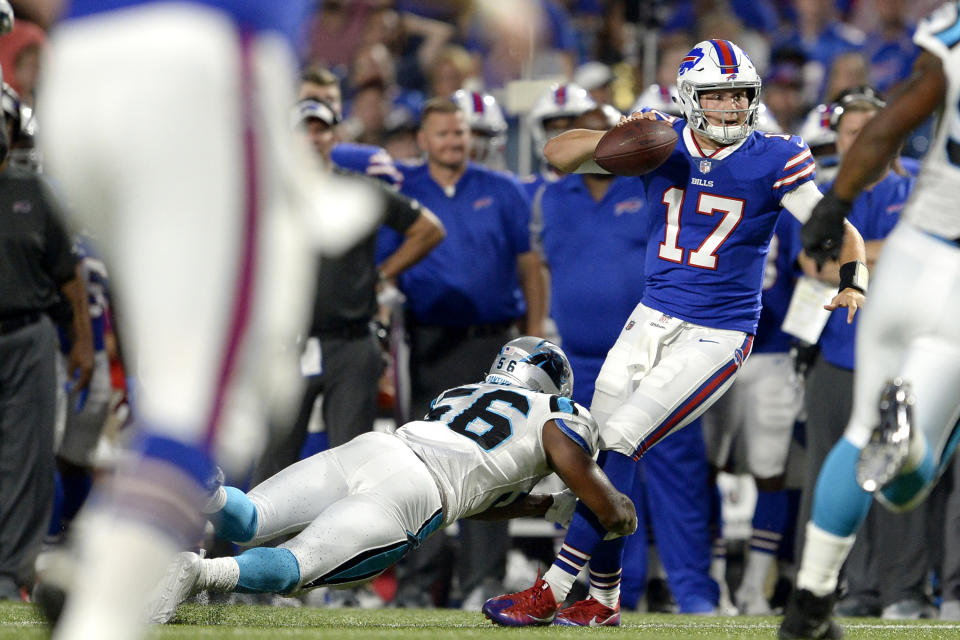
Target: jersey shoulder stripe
x=940, y=31
x=573, y=435
x=798, y=163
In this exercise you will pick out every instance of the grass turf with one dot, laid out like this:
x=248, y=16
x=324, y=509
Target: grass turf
x=23, y=622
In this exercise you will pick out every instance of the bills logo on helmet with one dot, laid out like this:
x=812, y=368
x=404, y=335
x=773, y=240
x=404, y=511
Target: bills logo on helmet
x=690, y=60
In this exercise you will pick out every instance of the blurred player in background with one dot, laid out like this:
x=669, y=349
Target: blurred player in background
x=713, y=206
x=488, y=128
x=903, y=429
x=179, y=160
x=359, y=508
x=552, y=114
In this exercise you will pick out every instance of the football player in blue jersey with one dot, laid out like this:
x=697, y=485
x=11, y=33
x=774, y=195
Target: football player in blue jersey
x=552, y=114
x=903, y=429
x=180, y=161
x=488, y=128
x=713, y=207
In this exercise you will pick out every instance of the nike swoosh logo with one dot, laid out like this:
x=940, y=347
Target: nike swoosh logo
x=713, y=341
x=550, y=619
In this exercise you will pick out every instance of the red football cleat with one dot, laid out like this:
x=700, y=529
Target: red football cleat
x=533, y=606
x=588, y=613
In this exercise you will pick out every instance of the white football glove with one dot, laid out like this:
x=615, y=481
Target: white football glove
x=561, y=511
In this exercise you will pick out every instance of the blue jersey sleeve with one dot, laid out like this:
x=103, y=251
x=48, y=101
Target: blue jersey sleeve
x=798, y=166
x=368, y=160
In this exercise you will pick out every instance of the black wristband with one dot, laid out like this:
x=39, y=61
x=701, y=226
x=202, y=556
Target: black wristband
x=854, y=275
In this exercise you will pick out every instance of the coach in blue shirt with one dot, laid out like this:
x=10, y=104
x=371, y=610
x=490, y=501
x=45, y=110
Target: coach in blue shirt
x=466, y=297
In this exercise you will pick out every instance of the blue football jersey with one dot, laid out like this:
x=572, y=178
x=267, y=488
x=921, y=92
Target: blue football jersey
x=532, y=183
x=711, y=217
x=779, y=278
x=367, y=159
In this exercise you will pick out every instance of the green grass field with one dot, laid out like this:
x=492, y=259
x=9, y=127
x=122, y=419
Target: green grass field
x=241, y=622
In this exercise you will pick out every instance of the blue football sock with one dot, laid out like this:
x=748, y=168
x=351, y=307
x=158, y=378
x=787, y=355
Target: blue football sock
x=839, y=504
x=769, y=521
x=237, y=521
x=267, y=570
x=586, y=532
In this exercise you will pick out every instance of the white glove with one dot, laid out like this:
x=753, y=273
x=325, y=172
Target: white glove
x=561, y=511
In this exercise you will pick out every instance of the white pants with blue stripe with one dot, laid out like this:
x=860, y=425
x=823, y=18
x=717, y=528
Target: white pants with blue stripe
x=356, y=509
x=660, y=375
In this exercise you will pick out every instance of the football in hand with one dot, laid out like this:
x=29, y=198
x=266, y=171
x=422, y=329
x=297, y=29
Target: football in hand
x=635, y=147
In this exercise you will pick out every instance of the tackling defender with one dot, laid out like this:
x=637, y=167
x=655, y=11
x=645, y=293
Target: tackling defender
x=908, y=342
x=357, y=509
x=713, y=204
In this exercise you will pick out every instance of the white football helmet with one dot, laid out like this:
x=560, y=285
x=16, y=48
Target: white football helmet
x=766, y=121
x=562, y=100
x=535, y=364
x=487, y=123
x=816, y=130
x=661, y=97
x=711, y=65
x=612, y=114
x=822, y=140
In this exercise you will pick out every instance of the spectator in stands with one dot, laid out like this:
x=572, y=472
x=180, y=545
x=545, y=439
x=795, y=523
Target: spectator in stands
x=783, y=94
x=414, y=42
x=848, y=70
x=336, y=32
x=454, y=68
x=20, y=57
x=375, y=95
x=511, y=39
x=890, y=48
x=820, y=35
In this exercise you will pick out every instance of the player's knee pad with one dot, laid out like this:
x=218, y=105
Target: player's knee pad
x=268, y=570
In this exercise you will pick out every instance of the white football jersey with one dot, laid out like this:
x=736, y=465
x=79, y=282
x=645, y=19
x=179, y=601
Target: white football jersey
x=484, y=443
x=933, y=206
